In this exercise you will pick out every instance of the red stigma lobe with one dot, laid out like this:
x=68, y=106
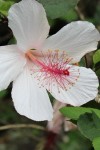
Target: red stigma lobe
x=66, y=72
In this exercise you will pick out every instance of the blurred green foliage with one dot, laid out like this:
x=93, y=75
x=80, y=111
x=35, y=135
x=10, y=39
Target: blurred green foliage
x=4, y=6
x=96, y=57
x=96, y=143
x=74, y=141
x=58, y=8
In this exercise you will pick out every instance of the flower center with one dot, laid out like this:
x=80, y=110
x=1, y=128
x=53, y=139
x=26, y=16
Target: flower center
x=52, y=69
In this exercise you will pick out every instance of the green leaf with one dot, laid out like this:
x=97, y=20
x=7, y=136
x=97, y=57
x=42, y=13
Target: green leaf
x=3, y=93
x=89, y=125
x=96, y=17
x=96, y=143
x=96, y=57
x=4, y=6
x=71, y=15
x=58, y=8
x=12, y=41
x=98, y=72
x=75, y=112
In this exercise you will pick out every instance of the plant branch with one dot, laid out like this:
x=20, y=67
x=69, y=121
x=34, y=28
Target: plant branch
x=16, y=126
x=81, y=16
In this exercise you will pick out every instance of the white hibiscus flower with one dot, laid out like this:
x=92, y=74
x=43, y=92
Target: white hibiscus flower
x=49, y=65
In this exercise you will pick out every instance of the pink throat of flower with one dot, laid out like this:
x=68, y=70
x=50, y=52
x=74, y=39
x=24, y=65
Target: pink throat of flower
x=53, y=69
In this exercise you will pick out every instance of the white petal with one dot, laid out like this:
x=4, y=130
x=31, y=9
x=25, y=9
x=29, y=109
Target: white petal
x=28, y=21
x=84, y=90
x=11, y=64
x=30, y=100
x=77, y=38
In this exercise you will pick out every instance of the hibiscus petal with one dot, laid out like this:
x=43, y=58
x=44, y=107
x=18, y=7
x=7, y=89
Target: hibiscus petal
x=28, y=21
x=77, y=38
x=11, y=64
x=83, y=90
x=30, y=100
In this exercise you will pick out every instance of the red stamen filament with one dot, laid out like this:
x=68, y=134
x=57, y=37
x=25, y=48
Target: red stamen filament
x=54, y=69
